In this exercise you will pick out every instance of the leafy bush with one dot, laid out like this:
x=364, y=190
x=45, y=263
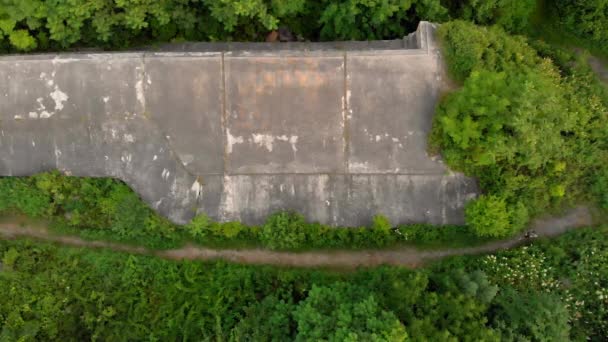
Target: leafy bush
x=531, y=316
x=363, y=19
x=284, y=230
x=551, y=290
x=513, y=16
x=35, y=24
x=344, y=312
x=530, y=132
x=21, y=194
x=587, y=20
x=467, y=47
x=488, y=216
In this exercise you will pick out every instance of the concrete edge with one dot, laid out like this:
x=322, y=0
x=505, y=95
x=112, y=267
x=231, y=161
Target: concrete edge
x=422, y=40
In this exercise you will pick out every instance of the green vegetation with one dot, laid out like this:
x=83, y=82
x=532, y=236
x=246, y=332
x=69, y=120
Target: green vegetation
x=532, y=131
x=36, y=24
x=551, y=291
x=586, y=20
x=530, y=122
x=27, y=25
x=103, y=208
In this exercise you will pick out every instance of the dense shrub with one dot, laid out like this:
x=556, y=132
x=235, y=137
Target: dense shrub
x=344, y=312
x=488, y=216
x=363, y=19
x=35, y=24
x=284, y=230
x=531, y=316
x=533, y=134
x=512, y=15
x=588, y=20
x=552, y=290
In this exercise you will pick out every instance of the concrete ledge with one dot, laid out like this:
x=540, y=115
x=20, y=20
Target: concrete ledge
x=336, y=131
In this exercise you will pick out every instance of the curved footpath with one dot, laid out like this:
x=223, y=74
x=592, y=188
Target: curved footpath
x=404, y=256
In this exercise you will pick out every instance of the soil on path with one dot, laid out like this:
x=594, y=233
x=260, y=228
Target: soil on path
x=599, y=67
x=404, y=256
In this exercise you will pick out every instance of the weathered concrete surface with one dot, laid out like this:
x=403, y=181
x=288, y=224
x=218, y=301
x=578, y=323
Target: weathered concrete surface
x=336, y=131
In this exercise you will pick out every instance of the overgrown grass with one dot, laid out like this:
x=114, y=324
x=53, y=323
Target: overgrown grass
x=551, y=290
x=529, y=123
x=107, y=209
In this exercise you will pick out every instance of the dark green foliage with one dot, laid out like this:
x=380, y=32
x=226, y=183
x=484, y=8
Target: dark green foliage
x=344, y=312
x=531, y=316
x=21, y=194
x=588, y=20
x=27, y=25
x=55, y=293
x=534, y=135
x=364, y=19
x=512, y=15
x=268, y=320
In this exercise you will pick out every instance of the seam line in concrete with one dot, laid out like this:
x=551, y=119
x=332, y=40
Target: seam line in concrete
x=345, y=113
x=224, y=114
x=442, y=174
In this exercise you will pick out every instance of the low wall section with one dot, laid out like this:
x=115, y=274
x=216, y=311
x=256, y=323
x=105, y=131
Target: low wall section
x=336, y=131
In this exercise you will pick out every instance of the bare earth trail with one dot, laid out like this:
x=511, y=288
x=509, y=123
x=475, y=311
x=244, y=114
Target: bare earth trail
x=405, y=256
x=600, y=67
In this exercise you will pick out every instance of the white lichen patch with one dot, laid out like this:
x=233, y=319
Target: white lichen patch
x=165, y=174
x=232, y=140
x=267, y=141
x=139, y=93
x=59, y=97
x=197, y=188
x=358, y=167
x=128, y=138
x=264, y=140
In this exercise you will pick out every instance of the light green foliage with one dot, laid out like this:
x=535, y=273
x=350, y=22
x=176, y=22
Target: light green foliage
x=488, y=216
x=345, y=313
x=381, y=231
x=284, y=231
x=468, y=47
x=197, y=228
x=108, y=209
x=530, y=132
x=22, y=40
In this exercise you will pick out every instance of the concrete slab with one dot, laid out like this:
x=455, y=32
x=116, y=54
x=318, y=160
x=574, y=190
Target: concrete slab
x=183, y=97
x=284, y=114
x=335, y=131
x=391, y=104
x=347, y=200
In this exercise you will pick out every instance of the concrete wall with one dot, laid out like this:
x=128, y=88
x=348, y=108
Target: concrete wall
x=336, y=131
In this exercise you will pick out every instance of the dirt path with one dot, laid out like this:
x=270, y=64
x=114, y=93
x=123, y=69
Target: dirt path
x=599, y=67
x=406, y=256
